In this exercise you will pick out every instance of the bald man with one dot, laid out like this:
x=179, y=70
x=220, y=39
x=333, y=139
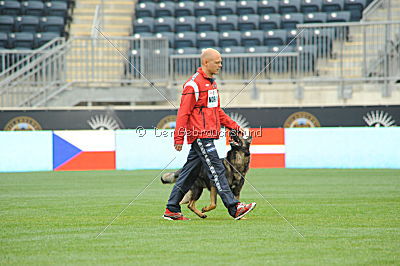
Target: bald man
x=200, y=118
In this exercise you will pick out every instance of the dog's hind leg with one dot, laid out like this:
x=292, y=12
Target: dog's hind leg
x=192, y=207
x=213, y=200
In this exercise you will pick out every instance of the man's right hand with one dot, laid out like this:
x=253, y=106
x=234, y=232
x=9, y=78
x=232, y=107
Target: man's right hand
x=178, y=147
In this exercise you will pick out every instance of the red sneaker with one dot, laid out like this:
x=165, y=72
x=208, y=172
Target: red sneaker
x=168, y=215
x=243, y=209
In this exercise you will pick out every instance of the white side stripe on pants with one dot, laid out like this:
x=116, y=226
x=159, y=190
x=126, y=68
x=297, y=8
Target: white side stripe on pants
x=212, y=169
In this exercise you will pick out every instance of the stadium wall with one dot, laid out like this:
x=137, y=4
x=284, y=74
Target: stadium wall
x=152, y=149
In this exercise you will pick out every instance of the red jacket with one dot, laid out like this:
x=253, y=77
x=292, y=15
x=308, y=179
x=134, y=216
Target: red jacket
x=200, y=115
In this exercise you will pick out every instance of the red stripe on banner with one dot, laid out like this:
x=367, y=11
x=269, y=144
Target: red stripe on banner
x=98, y=160
x=267, y=161
x=268, y=136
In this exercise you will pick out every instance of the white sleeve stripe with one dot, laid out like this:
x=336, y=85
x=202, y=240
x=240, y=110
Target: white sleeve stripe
x=193, y=84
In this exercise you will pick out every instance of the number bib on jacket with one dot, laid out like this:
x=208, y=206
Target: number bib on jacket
x=212, y=98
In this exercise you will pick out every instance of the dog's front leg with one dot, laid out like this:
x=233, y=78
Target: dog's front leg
x=192, y=207
x=213, y=200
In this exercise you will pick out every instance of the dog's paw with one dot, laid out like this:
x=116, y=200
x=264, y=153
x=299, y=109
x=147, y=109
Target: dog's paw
x=204, y=209
x=203, y=216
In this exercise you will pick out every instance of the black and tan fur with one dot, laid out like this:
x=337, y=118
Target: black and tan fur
x=236, y=166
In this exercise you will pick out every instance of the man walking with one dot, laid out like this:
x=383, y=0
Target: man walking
x=200, y=118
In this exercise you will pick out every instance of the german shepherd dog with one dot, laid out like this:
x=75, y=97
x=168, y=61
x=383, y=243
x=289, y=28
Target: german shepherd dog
x=236, y=166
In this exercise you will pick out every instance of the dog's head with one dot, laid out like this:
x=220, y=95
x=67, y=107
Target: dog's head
x=240, y=142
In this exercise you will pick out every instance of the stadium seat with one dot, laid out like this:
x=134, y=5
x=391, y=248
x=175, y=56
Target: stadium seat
x=291, y=37
x=184, y=9
x=252, y=38
x=268, y=7
x=270, y=22
x=187, y=50
x=10, y=8
x=275, y=37
x=143, y=25
x=281, y=49
x=27, y=24
x=184, y=24
x=170, y=36
x=185, y=39
x=204, y=8
x=165, y=9
x=246, y=7
x=44, y=37
x=144, y=34
x=289, y=6
x=227, y=22
x=356, y=8
x=21, y=40
x=33, y=8
x=342, y=16
x=248, y=22
x=322, y=38
x=310, y=6
x=289, y=21
x=229, y=39
x=56, y=8
x=332, y=5
x=6, y=24
x=225, y=8
x=52, y=24
x=233, y=50
x=164, y=24
x=207, y=39
x=256, y=49
x=206, y=23
x=318, y=17
x=3, y=40
x=143, y=10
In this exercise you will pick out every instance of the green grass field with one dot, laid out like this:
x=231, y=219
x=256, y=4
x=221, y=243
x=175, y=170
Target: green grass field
x=346, y=217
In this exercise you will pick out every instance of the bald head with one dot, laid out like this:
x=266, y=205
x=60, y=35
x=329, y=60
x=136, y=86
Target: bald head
x=211, y=61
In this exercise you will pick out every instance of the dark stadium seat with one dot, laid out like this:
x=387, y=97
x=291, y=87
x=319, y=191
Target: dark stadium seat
x=291, y=37
x=56, y=8
x=143, y=34
x=248, y=22
x=225, y=8
x=233, y=50
x=246, y=7
x=252, y=38
x=257, y=50
x=27, y=24
x=332, y=5
x=185, y=24
x=52, y=24
x=281, y=49
x=165, y=9
x=289, y=21
x=268, y=7
x=207, y=39
x=33, y=8
x=187, y=50
x=206, y=23
x=270, y=22
x=275, y=37
x=204, y=8
x=310, y=6
x=10, y=8
x=342, y=16
x=184, y=9
x=170, y=36
x=318, y=17
x=185, y=39
x=21, y=40
x=3, y=40
x=164, y=24
x=356, y=8
x=143, y=25
x=227, y=22
x=143, y=10
x=44, y=37
x=6, y=23
x=229, y=38
x=289, y=6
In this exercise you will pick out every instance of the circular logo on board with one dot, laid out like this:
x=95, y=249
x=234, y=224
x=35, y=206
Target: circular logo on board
x=22, y=123
x=302, y=119
x=167, y=122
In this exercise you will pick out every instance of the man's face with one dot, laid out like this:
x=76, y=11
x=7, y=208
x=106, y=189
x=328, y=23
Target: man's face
x=214, y=65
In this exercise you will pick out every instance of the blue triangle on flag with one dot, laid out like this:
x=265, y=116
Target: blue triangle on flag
x=62, y=151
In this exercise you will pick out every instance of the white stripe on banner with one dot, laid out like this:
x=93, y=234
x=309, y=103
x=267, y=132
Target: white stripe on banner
x=255, y=149
x=89, y=140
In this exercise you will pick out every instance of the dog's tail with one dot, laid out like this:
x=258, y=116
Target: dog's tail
x=170, y=178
